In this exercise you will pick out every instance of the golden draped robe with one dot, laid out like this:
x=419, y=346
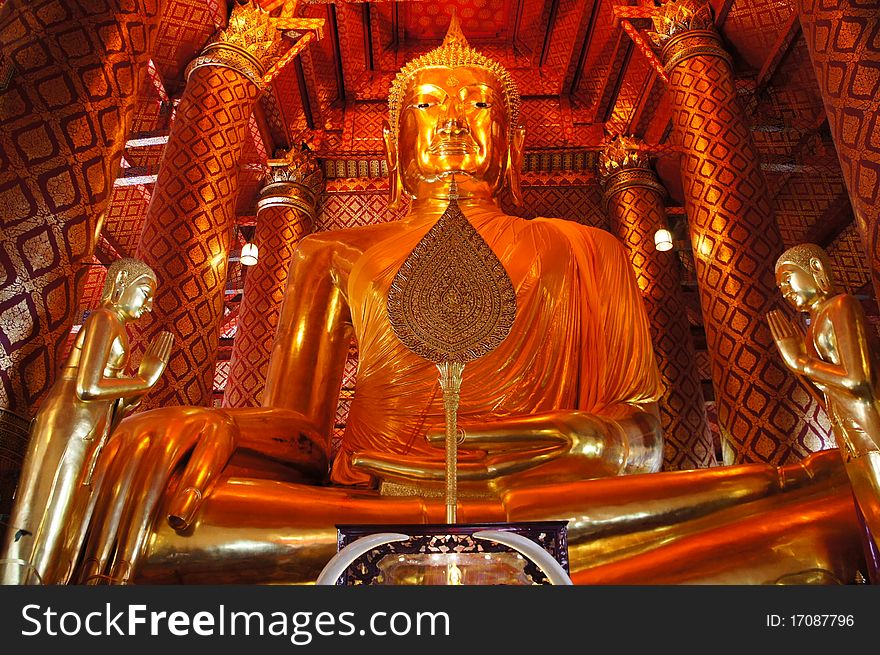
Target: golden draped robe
x=580, y=340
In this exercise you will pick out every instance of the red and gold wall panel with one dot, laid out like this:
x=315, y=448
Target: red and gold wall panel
x=65, y=113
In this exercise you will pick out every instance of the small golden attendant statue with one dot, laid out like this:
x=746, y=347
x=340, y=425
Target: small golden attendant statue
x=839, y=354
x=91, y=395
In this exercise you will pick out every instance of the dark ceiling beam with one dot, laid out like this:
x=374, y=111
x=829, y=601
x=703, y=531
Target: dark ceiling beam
x=721, y=8
x=639, y=119
x=834, y=220
x=265, y=132
x=333, y=29
x=109, y=248
x=623, y=50
x=104, y=252
x=517, y=38
x=585, y=49
x=787, y=36
x=304, y=93
x=368, y=36
x=551, y=23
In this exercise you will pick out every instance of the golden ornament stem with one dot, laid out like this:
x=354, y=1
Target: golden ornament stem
x=450, y=385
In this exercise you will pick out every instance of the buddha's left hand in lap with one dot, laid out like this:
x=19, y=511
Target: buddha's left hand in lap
x=562, y=445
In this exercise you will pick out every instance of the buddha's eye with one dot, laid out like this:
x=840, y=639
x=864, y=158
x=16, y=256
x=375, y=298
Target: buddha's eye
x=482, y=105
x=423, y=105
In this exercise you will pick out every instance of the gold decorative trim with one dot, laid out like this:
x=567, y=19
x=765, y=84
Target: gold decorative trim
x=288, y=194
x=619, y=153
x=632, y=177
x=693, y=44
x=227, y=55
x=295, y=180
x=249, y=44
x=427, y=490
x=680, y=16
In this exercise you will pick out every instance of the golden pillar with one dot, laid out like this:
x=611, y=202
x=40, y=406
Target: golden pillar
x=765, y=414
x=634, y=201
x=69, y=79
x=285, y=214
x=188, y=228
x=842, y=37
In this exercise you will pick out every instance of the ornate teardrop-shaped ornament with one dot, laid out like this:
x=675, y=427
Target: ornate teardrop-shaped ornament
x=452, y=300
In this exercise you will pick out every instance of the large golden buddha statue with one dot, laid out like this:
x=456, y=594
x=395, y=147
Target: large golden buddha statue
x=186, y=494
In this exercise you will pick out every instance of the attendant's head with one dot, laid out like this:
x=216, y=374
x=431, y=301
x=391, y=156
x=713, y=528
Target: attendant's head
x=453, y=111
x=129, y=288
x=803, y=275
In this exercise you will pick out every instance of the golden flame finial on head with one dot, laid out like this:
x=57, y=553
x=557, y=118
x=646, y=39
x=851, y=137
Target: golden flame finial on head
x=454, y=35
x=453, y=52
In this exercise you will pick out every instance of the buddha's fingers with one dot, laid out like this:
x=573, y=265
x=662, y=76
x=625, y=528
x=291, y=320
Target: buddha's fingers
x=773, y=323
x=149, y=487
x=416, y=470
x=109, y=505
x=216, y=441
x=779, y=327
x=490, y=437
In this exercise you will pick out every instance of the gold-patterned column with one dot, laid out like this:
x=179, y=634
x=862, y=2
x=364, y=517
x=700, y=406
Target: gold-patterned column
x=765, y=414
x=188, y=228
x=634, y=202
x=843, y=38
x=285, y=214
x=69, y=78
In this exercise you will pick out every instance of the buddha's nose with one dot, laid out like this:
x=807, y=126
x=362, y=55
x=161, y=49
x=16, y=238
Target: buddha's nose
x=452, y=122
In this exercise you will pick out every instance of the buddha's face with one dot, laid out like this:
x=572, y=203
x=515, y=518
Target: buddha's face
x=452, y=120
x=136, y=297
x=798, y=287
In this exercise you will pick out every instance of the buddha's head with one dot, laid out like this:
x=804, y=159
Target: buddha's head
x=129, y=288
x=803, y=275
x=453, y=111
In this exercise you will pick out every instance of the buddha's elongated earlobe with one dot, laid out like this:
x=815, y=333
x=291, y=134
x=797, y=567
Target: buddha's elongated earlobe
x=514, y=163
x=395, y=183
x=119, y=285
x=821, y=275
